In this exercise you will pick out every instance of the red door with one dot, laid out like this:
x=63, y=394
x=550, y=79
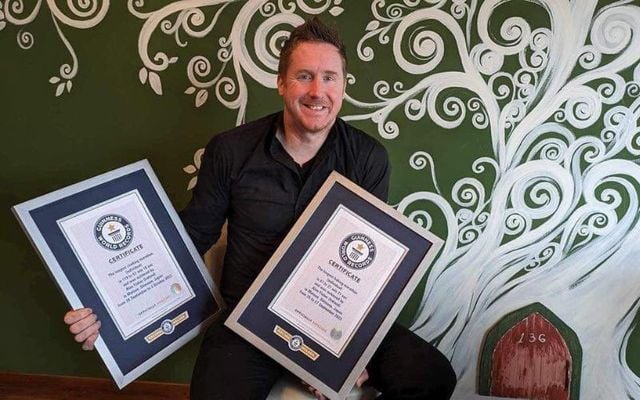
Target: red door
x=531, y=361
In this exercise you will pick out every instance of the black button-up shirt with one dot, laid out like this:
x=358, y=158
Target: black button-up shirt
x=247, y=178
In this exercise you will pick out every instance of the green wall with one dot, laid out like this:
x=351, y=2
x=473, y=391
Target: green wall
x=512, y=128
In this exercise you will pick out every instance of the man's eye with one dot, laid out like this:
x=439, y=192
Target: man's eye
x=304, y=77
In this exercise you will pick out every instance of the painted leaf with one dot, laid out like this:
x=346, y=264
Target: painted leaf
x=142, y=74
x=59, y=89
x=201, y=97
x=189, y=169
x=373, y=25
x=335, y=11
x=190, y=90
x=173, y=60
x=53, y=80
x=192, y=183
x=69, y=84
x=154, y=81
x=197, y=157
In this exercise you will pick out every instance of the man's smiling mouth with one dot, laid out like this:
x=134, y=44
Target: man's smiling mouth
x=315, y=107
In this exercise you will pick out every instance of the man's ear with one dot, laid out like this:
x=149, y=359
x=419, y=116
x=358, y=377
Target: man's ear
x=280, y=83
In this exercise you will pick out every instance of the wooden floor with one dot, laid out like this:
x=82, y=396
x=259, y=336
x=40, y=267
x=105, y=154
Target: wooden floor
x=46, y=387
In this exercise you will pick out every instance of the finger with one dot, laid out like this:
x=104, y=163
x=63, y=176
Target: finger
x=364, y=376
x=318, y=395
x=83, y=324
x=90, y=342
x=73, y=316
x=85, y=334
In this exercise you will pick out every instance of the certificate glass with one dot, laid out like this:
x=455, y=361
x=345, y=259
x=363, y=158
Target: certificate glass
x=137, y=283
x=328, y=296
x=115, y=244
x=333, y=288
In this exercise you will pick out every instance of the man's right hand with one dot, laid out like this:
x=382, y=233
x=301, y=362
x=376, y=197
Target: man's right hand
x=84, y=325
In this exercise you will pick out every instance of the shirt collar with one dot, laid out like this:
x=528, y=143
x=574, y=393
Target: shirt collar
x=277, y=149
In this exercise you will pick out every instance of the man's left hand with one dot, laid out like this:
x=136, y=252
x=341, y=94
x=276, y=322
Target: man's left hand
x=359, y=382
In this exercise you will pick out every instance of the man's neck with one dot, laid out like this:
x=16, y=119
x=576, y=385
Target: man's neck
x=301, y=146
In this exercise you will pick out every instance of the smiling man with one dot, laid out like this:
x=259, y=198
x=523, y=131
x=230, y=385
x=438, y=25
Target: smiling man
x=311, y=83
x=259, y=177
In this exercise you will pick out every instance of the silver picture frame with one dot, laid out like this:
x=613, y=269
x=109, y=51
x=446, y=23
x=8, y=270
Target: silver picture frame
x=334, y=286
x=143, y=278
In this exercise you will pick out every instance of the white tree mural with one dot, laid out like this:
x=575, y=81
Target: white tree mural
x=552, y=215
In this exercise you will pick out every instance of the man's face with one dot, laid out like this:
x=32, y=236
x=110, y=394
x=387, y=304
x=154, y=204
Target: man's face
x=312, y=87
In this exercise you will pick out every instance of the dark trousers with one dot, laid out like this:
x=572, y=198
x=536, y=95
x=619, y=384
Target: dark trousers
x=403, y=367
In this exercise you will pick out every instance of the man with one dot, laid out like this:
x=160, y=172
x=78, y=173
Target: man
x=260, y=177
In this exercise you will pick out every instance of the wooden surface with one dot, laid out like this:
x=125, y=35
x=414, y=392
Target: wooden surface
x=46, y=387
x=532, y=361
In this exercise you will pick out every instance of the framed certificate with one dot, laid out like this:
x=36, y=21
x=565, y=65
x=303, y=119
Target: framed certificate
x=335, y=285
x=115, y=244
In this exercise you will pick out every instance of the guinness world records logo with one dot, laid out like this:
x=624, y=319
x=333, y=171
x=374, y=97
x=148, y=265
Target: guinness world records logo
x=167, y=326
x=357, y=251
x=295, y=343
x=113, y=232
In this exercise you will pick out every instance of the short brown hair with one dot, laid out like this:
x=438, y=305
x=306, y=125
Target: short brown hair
x=313, y=30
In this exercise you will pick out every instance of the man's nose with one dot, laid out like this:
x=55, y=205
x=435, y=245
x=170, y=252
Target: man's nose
x=314, y=87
